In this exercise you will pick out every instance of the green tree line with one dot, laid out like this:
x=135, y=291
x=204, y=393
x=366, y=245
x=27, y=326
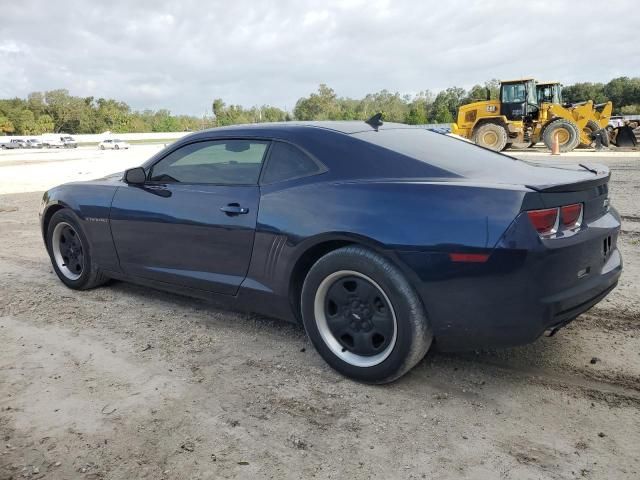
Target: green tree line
x=58, y=111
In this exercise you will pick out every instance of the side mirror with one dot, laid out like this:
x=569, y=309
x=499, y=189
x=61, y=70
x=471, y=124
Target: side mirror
x=135, y=176
x=488, y=92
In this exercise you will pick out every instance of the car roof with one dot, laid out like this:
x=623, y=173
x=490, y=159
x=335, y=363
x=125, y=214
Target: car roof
x=346, y=126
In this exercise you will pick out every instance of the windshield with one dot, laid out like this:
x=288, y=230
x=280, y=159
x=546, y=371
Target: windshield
x=513, y=93
x=550, y=93
x=522, y=92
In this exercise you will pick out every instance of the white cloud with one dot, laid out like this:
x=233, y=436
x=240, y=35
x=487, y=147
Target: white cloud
x=180, y=55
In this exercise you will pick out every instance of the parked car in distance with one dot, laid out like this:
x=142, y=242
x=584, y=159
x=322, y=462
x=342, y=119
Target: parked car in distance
x=52, y=141
x=379, y=239
x=114, y=144
x=34, y=143
x=69, y=142
x=616, y=121
x=16, y=143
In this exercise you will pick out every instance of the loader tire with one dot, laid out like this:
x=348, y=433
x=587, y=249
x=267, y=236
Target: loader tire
x=568, y=134
x=590, y=129
x=492, y=136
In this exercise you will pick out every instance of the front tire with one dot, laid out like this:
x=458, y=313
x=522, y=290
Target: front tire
x=117, y=147
x=70, y=252
x=363, y=316
x=568, y=134
x=589, y=130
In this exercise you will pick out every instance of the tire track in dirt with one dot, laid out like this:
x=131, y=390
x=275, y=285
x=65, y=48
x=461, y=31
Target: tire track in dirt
x=611, y=320
x=613, y=388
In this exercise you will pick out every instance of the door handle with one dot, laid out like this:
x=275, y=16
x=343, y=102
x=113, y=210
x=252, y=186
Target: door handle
x=234, y=209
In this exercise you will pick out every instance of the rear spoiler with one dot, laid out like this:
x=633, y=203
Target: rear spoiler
x=602, y=176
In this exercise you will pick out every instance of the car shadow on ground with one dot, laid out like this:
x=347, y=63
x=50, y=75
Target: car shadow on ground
x=520, y=359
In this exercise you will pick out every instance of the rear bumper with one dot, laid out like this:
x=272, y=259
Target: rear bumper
x=526, y=287
x=564, y=307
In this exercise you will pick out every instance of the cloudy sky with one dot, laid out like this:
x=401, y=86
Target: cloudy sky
x=181, y=54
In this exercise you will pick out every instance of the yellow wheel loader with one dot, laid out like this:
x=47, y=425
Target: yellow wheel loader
x=518, y=118
x=598, y=115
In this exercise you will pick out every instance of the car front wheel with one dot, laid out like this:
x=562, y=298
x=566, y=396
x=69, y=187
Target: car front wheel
x=363, y=316
x=70, y=252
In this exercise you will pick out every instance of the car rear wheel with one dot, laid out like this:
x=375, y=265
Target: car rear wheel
x=363, y=316
x=117, y=147
x=101, y=147
x=491, y=136
x=70, y=252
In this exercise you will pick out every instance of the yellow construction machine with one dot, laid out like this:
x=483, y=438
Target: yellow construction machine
x=599, y=114
x=518, y=118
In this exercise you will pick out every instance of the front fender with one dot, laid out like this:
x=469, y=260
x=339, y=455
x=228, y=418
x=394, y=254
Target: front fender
x=91, y=204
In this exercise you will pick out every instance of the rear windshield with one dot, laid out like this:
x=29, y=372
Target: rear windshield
x=448, y=153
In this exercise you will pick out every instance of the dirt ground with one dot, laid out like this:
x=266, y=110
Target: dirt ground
x=126, y=382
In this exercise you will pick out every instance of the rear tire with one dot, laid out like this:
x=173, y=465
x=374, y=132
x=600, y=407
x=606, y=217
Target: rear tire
x=70, y=252
x=363, y=316
x=491, y=136
x=568, y=134
x=117, y=147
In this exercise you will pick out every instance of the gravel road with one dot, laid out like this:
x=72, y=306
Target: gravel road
x=126, y=382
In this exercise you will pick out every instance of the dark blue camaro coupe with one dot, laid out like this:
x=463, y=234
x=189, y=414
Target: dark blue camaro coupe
x=380, y=239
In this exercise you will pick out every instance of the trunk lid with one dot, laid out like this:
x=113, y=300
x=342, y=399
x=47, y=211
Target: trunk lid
x=570, y=178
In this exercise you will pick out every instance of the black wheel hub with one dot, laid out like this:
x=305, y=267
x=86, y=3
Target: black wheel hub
x=359, y=316
x=71, y=250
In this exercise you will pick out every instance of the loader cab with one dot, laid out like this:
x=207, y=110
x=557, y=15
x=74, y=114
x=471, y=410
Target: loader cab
x=518, y=99
x=549, y=92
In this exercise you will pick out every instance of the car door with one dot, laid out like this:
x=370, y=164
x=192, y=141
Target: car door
x=193, y=222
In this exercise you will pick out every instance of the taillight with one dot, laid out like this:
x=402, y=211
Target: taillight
x=550, y=221
x=544, y=221
x=571, y=215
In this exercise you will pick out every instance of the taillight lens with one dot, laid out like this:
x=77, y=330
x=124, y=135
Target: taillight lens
x=549, y=221
x=571, y=215
x=544, y=221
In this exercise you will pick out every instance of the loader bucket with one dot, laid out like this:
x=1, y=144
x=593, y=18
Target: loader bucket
x=624, y=137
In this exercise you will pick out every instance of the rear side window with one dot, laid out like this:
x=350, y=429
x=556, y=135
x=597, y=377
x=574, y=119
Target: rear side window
x=287, y=162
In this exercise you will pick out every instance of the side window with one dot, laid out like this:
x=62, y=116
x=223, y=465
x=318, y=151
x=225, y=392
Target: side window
x=287, y=162
x=223, y=162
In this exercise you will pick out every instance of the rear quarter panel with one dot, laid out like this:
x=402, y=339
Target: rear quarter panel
x=392, y=217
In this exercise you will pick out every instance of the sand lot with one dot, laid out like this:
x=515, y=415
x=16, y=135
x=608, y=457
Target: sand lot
x=125, y=382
